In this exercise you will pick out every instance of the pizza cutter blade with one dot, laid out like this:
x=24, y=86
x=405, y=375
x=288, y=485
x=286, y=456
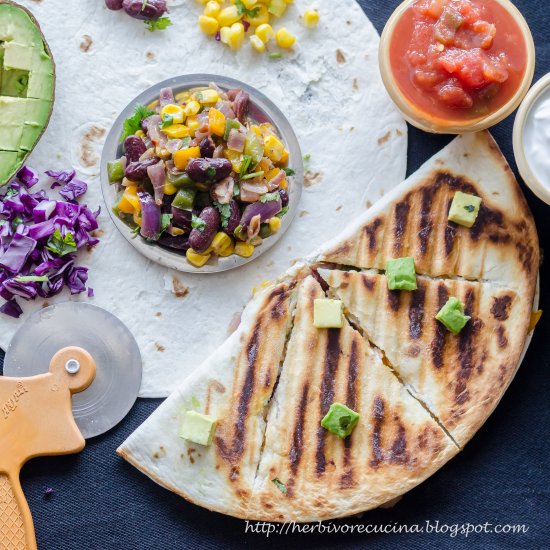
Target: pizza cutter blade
x=118, y=378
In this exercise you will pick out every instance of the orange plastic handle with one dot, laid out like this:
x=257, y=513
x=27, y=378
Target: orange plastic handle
x=36, y=420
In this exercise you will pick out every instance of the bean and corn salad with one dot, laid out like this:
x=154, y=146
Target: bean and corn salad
x=232, y=20
x=203, y=173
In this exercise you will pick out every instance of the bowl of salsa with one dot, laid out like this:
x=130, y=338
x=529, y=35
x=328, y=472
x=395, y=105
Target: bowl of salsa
x=456, y=66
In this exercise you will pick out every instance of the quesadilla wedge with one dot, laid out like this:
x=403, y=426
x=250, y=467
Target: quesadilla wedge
x=460, y=378
x=307, y=473
x=412, y=220
x=233, y=386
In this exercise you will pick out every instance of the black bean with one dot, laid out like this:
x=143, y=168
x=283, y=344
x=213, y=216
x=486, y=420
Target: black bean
x=137, y=171
x=208, y=170
x=284, y=197
x=134, y=147
x=207, y=147
x=234, y=218
x=201, y=238
x=152, y=9
x=114, y=4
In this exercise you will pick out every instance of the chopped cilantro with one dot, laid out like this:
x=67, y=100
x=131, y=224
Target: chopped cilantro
x=16, y=222
x=185, y=142
x=289, y=171
x=243, y=10
x=269, y=197
x=165, y=221
x=198, y=223
x=132, y=124
x=210, y=173
x=469, y=208
x=61, y=245
x=158, y=24
x=275, y=55
x=280, y=485
x=307, y=158
x=167, y=120
x=225, y=212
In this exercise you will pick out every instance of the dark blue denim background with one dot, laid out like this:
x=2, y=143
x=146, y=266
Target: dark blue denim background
x=100, y=502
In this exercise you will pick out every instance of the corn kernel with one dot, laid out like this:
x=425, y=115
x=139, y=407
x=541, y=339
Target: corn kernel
x=192, y=124
x=170, y=189
x=183, y=156
x=265, y=32
x=153, y=105
x=216, y=122
x=208, y=25
x=140, y=133
x=196, y=259
x=249, y=4
x=202, y=1
x=284, y=158
x=224, y=34
x=137, y=218
x=273, y=148
x=227, y=251
x=284, y=38
x=228, y=16
x=176, y=131
x=183, y=96
x=311, y=18
x=277, y=7
x=261, y=17
x=245, y=250
x=236, y=36
x=191, y=108
x=275, y=224
x=207, y=97
x=212, y=8
x=221, y=243
x=174, y=111
x=257, y=44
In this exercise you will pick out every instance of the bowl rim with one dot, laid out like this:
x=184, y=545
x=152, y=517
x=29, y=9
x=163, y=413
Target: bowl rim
x=532, y=181
x=420, y=118
x=177, y=260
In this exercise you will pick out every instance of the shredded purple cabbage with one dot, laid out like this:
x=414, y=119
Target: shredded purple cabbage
x=40, y=238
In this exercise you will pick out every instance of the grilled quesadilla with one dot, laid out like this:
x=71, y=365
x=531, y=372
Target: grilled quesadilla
x=412, y=220
x=318, y=475
x=233, y=386
x=460, y=378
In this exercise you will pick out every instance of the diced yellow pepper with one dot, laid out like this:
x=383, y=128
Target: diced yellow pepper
x=207, y=96
x=273, y=173
x=196, y=259
x=202, y=1
x=273, y=148
x=137, y=218
x=212, y=8
x=265, y=32
x=311, y=18
x=140, y=133
x=283, y=184
x=216, y=122
x=284, y=38
x=265, y=165
x=235, y=158
x=176, y=131
x=275, y=224
x=183, y=96
x=129, y=202
x=221, y=243
x=228, y=16
x=535, y=318
x=245, y=250
x=191, y=108
x=277, y=7
x=192, y=124
x=183, y=156
x=224, y=34
x=257, y=44
x=170, y=189
x=261, y=17
x=236, y=36
x=266, y=129
x=208, y=25
x=153, y=105
x=174, y=111
x=256, y=130
x=284, y=158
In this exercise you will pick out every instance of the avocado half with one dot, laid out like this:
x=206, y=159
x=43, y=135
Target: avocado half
x=27, y=86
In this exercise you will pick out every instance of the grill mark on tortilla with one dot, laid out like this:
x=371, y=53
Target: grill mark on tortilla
x=402, y=210
x=450, y=232
x=368, y=283
x=501, y=307
x=398, y=452
x=502, y=340
x=295, y=454
x=465, y=352
x=438, y=343
x=416, y=311
x=371, y=231
x=327, y=393
x=394, y=297
x=488, y=217
x=525, y=254
x=212, y=385
x=426, y=225
x=378, y=420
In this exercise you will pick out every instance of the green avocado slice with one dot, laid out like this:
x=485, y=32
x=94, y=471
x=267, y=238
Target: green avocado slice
x=27, y=86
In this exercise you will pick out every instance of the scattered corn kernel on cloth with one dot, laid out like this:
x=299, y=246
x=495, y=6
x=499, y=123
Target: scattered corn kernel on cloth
x=330, y=90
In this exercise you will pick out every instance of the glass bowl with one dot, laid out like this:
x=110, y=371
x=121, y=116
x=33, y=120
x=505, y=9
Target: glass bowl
x=260, y=107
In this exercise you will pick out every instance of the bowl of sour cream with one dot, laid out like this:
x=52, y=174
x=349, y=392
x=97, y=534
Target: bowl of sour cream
x=532, y=139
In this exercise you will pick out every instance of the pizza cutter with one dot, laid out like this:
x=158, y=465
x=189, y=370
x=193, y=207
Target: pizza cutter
x=69, y=353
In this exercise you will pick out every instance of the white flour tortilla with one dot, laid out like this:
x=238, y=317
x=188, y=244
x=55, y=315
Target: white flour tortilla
x=329, y=89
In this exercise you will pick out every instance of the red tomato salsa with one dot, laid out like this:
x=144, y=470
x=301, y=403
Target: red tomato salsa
x=458, y=59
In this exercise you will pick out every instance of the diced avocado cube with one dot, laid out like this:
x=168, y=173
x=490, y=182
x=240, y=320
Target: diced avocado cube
x=31, y=133
x=464, y=209
x=452, y=315
x=401, y=274
x=17, y=56
x=340, y=420
x=327, y=313
x=8, y=159
x=197, y=428
x=115, y=171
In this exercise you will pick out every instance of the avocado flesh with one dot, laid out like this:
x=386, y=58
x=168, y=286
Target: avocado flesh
x=27, y=81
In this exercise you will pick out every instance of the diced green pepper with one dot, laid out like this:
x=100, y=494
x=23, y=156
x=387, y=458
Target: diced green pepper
x=240, y=233
x=230, y=124
x=253, y=147
x=180, y=180
x=184, y=199
x=115, y=171
x=265, y=231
